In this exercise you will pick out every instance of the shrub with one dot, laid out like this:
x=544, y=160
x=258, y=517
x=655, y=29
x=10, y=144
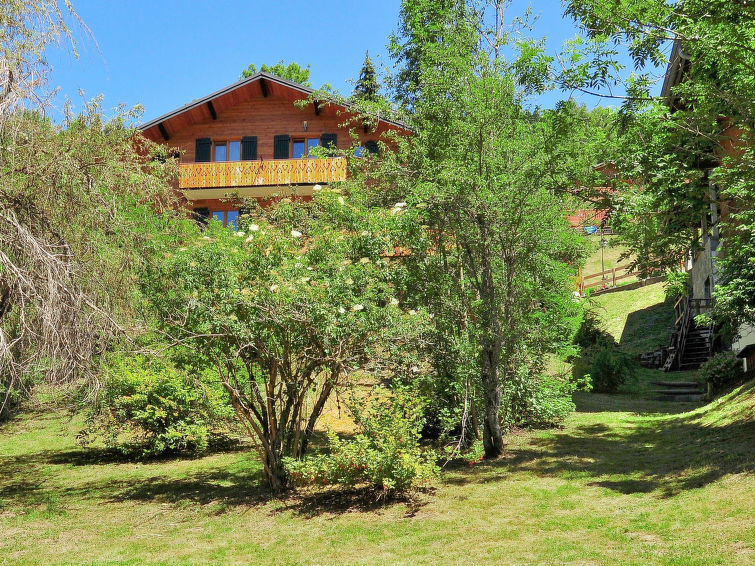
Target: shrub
x=722, y=371
x=610, y=369
x=676, y=284
x=152, y=409
x=591, y=331
x=385, y=453
x=537, y=401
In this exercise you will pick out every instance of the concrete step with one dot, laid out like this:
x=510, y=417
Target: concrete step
x=689, y=391
x=683, y=397
x=680, y=384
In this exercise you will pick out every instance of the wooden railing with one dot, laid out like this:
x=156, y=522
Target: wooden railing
x=685, y=309
x=608, y=278
x=262, y=173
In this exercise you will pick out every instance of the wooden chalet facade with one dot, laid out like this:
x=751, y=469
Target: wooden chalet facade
x=250, y=139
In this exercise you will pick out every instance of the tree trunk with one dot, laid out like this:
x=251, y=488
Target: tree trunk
x=492, y=435
x=275, y=473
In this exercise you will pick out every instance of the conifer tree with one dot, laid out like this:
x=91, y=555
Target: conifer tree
x=367, y=86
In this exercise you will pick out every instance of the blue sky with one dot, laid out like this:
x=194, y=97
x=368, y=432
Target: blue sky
x=163, y=54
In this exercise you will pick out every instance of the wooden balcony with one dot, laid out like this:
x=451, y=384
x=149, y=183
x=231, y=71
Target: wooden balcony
x=276, y=172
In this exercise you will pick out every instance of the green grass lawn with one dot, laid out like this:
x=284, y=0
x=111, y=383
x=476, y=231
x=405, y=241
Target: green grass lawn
x=628, y=480
x=611, y=255
x=624, y=482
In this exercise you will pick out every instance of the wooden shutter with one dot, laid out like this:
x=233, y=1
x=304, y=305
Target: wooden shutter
x=203, y=152
x=249, y=148
x=329, y=141
x=281, y=146
x=201, y=215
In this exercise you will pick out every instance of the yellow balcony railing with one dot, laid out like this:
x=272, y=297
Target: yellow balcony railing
x=262, y=173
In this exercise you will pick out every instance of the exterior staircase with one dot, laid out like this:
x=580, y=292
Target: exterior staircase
x=690, y=345
x=698, y=348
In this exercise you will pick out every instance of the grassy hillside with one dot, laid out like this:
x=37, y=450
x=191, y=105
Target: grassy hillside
x=611, y=254
x=640, y=319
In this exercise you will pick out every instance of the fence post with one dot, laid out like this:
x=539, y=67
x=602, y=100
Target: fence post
x=613, y=274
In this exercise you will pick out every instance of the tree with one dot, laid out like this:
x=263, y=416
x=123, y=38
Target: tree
x=485, y=216
x=76, y=205
x=77, y=208
x=283, y=313
x=677, y=153
x=367, y=87
x=28, y=29
x=292, y=72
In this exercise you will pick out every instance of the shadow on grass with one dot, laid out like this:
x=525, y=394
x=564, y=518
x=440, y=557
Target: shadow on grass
x=628, y=403
x=30, y=480
x=222, y=488
x=663, y=455
x=647, y=329
x=337, y=501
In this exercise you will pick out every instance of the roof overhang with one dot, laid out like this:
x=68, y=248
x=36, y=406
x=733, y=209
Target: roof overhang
x=280, y=191
x=677, y=66
x=262, y=84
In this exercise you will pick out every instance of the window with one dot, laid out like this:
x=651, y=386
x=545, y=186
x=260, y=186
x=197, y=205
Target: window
x=302, y=147
x=227, y=151
x=370, y=147
x=230, y=150
x=229, y=218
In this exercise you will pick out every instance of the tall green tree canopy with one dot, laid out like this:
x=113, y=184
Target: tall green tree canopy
x=367, y=86
x=292, y=71
x=483, y=180
x=77, y=207
x=674, y=147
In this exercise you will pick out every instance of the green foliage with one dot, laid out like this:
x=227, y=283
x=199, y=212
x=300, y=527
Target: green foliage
x=148, y=409
x=609, y=368
x=537, y=400
x=292, y=72
x=385, y=452
x=722, y=371
x=591, y=331
x=484, y=179
x=284, y=311
x=676, y=285
x=677, y=156
x=367, y=86
x=78, y=207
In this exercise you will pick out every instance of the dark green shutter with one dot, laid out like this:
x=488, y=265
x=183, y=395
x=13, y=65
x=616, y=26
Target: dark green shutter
x=201, y=215
x=281, y=146
x=203, y=150
x=249, y=148
x=329, y=141
x=372, y=146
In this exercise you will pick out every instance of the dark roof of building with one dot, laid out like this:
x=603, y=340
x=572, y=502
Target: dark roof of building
x=677, y=66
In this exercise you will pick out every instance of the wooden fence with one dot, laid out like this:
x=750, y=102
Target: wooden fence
x=604, y=279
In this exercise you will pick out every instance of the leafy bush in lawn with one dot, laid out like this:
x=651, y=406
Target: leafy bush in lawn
x=537, y=401
x=610, y=368
x=149, y=409
x=385, y=453
x=722, y=371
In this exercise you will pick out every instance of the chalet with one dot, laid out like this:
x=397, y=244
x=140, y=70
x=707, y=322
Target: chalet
x=250, y=140
x=701, y=263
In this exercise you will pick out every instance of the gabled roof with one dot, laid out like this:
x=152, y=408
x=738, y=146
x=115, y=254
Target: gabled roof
x=260, y=82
